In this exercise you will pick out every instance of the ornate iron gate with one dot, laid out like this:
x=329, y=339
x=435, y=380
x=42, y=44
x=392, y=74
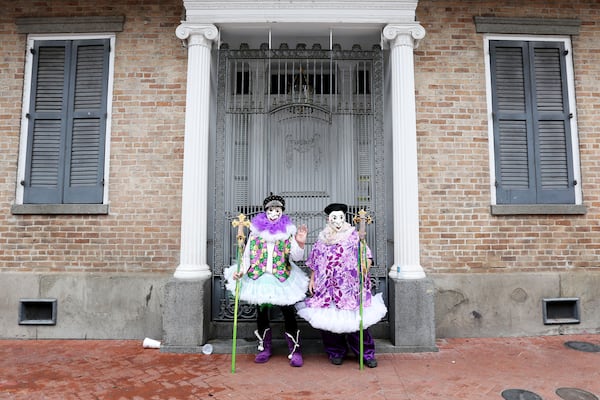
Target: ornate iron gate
x=305, y=124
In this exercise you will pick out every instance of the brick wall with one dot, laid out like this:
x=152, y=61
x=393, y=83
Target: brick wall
x=141, y=233
x=458, y=234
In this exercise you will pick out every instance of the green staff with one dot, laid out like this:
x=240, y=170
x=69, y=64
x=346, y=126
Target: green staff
x=362, y=219
x=240, y=222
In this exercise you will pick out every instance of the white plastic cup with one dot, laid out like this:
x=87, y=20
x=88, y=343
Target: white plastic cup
x=151, y=344
x=207, y=349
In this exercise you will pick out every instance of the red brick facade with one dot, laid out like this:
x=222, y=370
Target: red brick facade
x=458, y=234
x=141, y=232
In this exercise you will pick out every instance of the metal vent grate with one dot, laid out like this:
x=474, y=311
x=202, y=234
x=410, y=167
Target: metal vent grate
x=37, y=312
x=561, y=311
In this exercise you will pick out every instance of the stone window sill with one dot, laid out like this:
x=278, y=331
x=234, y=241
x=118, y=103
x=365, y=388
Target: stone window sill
x=86, y=209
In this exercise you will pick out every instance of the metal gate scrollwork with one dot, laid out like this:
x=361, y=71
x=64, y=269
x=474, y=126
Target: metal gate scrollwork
x=305, y=124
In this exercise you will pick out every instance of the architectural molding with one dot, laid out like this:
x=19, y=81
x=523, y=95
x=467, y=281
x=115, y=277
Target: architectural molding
x=538, y=209
x=70, y=24
x=403, y=34
x=530, y=26
x=300, y=11
x=59, y=209
x=197, y=34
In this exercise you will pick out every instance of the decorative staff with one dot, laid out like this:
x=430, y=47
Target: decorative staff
x=240, y=222
x=362, y=219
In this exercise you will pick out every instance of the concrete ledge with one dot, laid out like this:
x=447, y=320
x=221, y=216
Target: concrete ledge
x=309, y=346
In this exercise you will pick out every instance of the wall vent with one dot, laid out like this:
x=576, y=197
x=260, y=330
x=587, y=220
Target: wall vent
x=563, y=310
x=37, y=312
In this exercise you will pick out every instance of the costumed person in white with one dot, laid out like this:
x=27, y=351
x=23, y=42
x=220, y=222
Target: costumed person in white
x=270, y=278
x=334, y=307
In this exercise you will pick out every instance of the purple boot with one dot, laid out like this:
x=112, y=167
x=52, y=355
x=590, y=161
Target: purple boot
x=295, y=355
x=264, y=346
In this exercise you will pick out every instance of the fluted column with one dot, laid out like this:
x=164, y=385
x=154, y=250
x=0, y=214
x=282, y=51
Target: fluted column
x=403, y=39
x=192, y=263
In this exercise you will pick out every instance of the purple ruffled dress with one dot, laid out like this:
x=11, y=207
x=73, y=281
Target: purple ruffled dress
x=335, y=304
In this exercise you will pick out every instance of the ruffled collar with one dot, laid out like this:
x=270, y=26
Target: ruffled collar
x=330, y=236
x=272, y=230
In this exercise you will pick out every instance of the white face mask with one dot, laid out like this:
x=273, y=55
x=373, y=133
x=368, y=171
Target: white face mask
x=274, y=213
x=336, y=219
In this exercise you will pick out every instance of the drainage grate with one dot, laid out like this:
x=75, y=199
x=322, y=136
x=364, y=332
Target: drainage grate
x=583, y=346
x=575, y=394
x=519, y=394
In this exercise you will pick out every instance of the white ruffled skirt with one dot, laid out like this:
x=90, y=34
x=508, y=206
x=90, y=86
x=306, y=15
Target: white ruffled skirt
x=269, y=290
x=335, y=320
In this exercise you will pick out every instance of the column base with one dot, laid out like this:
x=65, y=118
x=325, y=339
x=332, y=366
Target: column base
x=186, y=315
x=189, y=271
x=412, y=320
x=407, y=272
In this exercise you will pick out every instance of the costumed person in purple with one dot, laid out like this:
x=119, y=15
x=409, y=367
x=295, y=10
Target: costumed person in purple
x=270, y=278
x=334, y=307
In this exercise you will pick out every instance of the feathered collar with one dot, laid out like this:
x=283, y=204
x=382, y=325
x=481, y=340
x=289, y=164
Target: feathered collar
x=271, y=231
x=330, y=236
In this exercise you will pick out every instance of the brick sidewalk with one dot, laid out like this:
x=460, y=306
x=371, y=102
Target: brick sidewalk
x=463, y=369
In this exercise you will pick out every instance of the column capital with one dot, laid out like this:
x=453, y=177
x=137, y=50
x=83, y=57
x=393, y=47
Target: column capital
x=197, y=34
x=407, y=34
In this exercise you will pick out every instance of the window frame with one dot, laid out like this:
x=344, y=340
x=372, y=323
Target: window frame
x=570, y=82
x=19, y=206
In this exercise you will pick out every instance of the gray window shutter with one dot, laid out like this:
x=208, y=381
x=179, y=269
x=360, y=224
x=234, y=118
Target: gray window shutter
x=531, y=123
x=554, y=155
x=86, y=127
x=47, y=121
x=67, y=122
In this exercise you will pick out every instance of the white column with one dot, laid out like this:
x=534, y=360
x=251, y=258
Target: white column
x=403, y=39
x=192, y=263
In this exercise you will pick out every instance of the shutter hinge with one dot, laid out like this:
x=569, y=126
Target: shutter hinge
x=496, y=183
x=575, y=182
x=565, y=52
x=570, y=115
x=23, y=182
x=32, y=50
x=27, y=115
x=102, y=182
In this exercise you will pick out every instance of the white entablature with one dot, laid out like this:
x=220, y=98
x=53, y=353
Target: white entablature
x=303, y=11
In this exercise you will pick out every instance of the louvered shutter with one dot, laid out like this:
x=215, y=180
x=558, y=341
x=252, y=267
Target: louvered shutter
x=531, y=127
x=67, y=122
x=47, y=122
x=86, y=126
x=554, y=160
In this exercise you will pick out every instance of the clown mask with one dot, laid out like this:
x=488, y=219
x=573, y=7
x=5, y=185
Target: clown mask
x=274, y=213
x=336, y=220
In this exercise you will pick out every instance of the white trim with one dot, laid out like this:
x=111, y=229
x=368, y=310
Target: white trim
x=31, y=39
x=302, y=11
x=572, y=105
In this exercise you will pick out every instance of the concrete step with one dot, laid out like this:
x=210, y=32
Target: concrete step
x=309, y=346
